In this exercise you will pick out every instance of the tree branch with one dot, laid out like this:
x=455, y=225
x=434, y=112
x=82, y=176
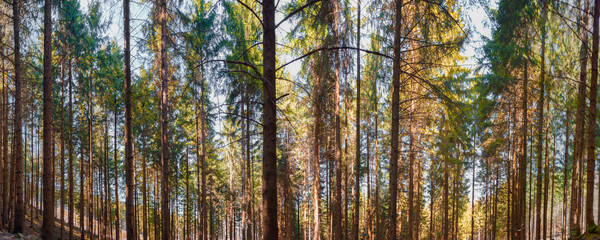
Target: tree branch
x=333, y=48
x=296, y=11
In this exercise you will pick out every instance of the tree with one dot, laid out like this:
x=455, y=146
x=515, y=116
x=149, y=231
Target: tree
x=269, y=165
x=164, y=121
x=48, y=162
x=130, y=211
x=591, y=144
x=395, y=120
x=19, y=217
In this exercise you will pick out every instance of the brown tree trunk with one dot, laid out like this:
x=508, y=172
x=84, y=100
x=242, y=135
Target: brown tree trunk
x=337, y=228
x=164, y=124
x=395, y=121
x=355, y=218
x=520, y=218
x=116, y=170
x=553, y=172
x=316, y=162
x=3, y=151
x=62, y=150
x=18, y=153
x=445, y=203
x=540, y=141
x=144, y=187
x=575, y=210
x=5, y=156
x=90, y=157
x=47, y=231
x=71, y=156
x=81, y=192
x=248, y=199
x=411, y=170
x=566, y=174
x=591, y=144
x=186, y=212
x=546, y=179
x=130, y=213
x=269, y=191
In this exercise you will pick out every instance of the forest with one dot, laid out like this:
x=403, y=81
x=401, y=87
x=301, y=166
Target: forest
x=299, y=119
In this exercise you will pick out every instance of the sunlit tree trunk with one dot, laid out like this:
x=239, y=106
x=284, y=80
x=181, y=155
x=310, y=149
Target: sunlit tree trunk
x=316, y=162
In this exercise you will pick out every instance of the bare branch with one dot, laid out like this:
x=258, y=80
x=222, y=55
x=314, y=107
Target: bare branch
x=252, y=11
x=296, y=11
x=332, y=48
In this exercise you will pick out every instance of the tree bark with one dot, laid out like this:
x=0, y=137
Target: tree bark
x=48, y=186
x=546, y=179
x=316, y=162
x=145, y=187
x=164, y=121
x=566, y=174
x=116, y=170
x=90, y=157
x=540, y=140
x=269, y=215
x=395, y=121
x=591, y=144
x=3, y=151
x=520, y=218
x=71, y=156
x=130, y=213
x=18, y=154
x=575, y=211
x=356, y=216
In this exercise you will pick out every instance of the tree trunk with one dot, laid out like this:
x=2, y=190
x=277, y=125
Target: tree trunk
x=591, y=144
x=47, y=231
x=71, y=156
x=62, y=149
x=356, y=216
x=164, y=124
x=130, y=213
x=411, y=170
x=520, y=217
x=18, y=153
x=566, y=174
x=338, y=145
x=91, y=157
x=269, y=191
x=575, y=211
x=3, y=151
x=395, y=121
x=5, y=156
x=116, y=170
x=546, y=180
x=81, y=192
x=446, y=203
x=540, y=141
x=316, y=162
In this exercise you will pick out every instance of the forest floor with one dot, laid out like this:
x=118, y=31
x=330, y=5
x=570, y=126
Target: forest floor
x=33, y=228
